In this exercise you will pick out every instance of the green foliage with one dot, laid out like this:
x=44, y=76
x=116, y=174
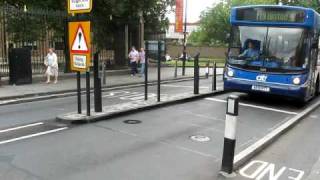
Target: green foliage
x=108, y=16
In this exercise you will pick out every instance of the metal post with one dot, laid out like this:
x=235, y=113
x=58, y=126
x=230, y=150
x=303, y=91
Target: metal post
x=141, y=20
x=146, y=72
x=97, y=84
x=159, y=71
x=196, y=74
x=214, y=76
x=185, y=40
x=176, y=69
x=207, y=70
x=104, y=73
x=230, y=135
x=79, y=92
x=88, y=92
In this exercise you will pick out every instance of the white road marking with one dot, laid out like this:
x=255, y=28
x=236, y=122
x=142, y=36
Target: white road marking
x=32, y=135
x=255, y=106
x=134, y=96
x=251, y=150
x=21, y=127
x=264, y=170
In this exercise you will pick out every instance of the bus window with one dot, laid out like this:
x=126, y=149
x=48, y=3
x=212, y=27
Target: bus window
x=278, y=48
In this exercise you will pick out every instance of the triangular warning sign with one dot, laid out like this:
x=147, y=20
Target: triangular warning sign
x=79, y=44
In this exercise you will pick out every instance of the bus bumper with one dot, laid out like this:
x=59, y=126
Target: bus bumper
x=291, y=91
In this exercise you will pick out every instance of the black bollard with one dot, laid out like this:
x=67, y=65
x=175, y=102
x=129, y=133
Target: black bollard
x=207, y=70
x=196, y=74
x=88, y=92
x=97, y=84
x=146, y=72
x=159, y=72
x=214, y=76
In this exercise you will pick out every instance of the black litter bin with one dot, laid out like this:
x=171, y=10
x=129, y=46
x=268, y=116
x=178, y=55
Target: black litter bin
x=20, y=66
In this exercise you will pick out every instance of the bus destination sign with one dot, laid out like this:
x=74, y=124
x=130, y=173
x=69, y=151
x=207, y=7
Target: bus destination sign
x=270, y=15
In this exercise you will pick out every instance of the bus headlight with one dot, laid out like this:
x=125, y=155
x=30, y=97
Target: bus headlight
x=296, y=81
x=230, y=73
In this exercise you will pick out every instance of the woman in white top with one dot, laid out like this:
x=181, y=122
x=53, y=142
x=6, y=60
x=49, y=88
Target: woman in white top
x=51, y=62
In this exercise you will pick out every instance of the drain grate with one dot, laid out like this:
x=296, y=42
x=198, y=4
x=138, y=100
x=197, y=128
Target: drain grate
x=200, y=138
x=132, y=122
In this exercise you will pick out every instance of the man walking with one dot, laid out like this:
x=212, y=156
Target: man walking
x=142, y=56
x=134, y=57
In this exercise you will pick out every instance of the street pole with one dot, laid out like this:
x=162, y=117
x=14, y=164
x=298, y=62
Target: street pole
x=159, y=70
x=196, y=74
x=146, y=72
x=185, y=41
x=97, y=84
x=79, y=92
x=141, y=29
x=88, y=91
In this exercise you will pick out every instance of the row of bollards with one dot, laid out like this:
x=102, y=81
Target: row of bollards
x=197, y=76
x=98, y=82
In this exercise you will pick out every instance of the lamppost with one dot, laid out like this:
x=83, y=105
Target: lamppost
x=25, y=10
x=141, y=21
x=185, y=40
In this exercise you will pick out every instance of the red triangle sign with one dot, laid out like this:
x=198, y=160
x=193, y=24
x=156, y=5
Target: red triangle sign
x=79, y=44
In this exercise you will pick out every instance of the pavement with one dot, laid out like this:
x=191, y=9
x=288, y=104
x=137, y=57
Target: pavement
x=69, y=84
x=296, y=155
x=180, y=142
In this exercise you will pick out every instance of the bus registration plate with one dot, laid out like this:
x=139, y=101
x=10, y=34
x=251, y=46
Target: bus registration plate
x=260, y=88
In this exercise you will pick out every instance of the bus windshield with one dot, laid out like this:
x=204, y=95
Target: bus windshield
x=270, y=48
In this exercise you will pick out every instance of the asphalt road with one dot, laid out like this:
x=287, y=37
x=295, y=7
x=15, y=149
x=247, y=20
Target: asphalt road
x=296, y=155
x=160, y=147
x=25, y=113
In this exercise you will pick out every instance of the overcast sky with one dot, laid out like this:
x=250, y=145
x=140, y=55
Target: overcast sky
x=195, y=7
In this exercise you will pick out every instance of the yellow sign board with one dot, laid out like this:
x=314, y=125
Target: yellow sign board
x=79, y=6
x=80, y=45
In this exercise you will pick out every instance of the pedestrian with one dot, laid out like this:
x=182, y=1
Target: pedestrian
x=142, y=59
x=134, y=57
x=51, y=62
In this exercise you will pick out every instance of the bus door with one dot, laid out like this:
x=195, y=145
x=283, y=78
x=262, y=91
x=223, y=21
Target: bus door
x=313, y=63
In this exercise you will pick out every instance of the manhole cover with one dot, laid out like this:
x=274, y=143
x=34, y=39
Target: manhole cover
x=132, y=122
x=200, y=138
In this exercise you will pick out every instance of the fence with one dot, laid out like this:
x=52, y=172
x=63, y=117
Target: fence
x=38, y=30
x=34, y=29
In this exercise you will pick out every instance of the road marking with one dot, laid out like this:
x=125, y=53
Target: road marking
x=32, y=135
x=263, y=170
x=181, y=86
x=21, y=127
x=255, y=106
x=134, y=96
x=252, y=150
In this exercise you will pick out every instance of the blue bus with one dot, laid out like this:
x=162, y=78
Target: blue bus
x=274, y=50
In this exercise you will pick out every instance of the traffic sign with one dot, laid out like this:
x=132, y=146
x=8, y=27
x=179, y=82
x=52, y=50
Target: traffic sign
x=80, y=45
x=79, y=6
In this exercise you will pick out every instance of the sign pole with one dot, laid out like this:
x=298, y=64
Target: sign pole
x=79, y=92
x=146, y=71
x=88, y=92
x=80, y=46
x=159, y=71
